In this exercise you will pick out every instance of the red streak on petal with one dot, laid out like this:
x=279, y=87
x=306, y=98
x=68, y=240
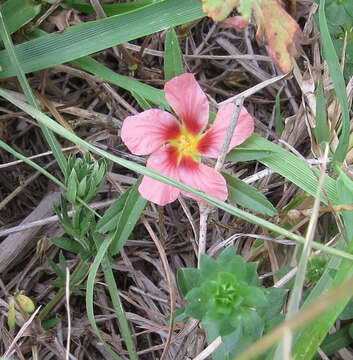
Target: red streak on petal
x=205, y=142
x=173, y=155
x=172, y=132
x=188, y=163
x=192, y=126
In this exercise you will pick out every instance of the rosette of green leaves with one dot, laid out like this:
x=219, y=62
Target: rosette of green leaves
x=225, y=294
x=84, y=177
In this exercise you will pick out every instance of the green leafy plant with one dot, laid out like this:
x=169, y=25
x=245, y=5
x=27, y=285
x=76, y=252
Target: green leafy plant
x=84, y=177
x=60, y=271
x=225, y=294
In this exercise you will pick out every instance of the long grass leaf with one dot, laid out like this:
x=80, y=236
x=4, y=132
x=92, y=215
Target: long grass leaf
x=118, y=307
x=147, y=92
x=90, y=291
x=85, y=39
x=288, y=165
x=297, y=291
x=338, y=82
x=311, y=338
x=173, y=62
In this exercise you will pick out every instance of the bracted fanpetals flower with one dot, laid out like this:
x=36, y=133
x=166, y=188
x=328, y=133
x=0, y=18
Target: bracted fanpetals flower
x=176, y=147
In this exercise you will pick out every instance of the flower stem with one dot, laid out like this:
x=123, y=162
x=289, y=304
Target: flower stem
x=205, y=209
x=229, y=134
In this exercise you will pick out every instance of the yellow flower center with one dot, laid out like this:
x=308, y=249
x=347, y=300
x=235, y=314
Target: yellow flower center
x=187, y=145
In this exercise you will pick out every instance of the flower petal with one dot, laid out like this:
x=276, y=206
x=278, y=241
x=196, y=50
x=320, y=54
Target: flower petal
x=203, y=178
x=189, y=102
x=148, y=131
x=164, y=160
x=211, y=144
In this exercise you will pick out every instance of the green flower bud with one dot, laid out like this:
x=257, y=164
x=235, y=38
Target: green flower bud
x=25, y=303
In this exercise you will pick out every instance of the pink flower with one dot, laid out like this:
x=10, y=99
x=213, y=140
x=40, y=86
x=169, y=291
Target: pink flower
x=176, y=146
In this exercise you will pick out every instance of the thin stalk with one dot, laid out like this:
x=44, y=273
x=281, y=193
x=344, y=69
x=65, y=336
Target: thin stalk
x=206, y=209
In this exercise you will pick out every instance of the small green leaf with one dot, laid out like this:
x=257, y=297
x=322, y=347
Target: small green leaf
x=111, y=216
x=70, y=245
x=187, y=279
x=245, y=154
x=347, y=313
x=131, y=213
x=275, y=300
x=289, y=166
x=321, y=130
x=71, y=192
x=173, y=62
x=141, y=100
x=248, y=197
x=82, y=188
x=48, y=324
x=56, y=268
x=208, y=267
x=278, y=117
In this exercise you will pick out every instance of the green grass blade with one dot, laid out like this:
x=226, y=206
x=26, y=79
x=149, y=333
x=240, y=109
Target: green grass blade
x=130, y=214
x=90, y=291
x=84, y=39
x=248, y=197
x=297, y=291
x=147, y=92
x=138, y=89
x=321, y=130
x=49, y=136
x=278, y=117
x=17, y=13
x=54, y=126
x=118, y=307
x=294, y=302
x=338, y=82
x=173, y=62
x=312, y=337
x=287, y=165
x=110, y=9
